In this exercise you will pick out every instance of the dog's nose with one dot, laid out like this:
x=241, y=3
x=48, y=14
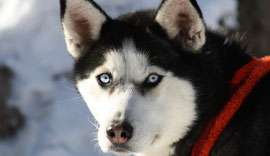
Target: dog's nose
x=120, y=134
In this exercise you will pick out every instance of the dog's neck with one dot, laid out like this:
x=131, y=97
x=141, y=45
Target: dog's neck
x=230, y=54
x=225, y=62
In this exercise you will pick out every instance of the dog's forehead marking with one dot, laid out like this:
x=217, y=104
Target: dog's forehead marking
x=128, y=64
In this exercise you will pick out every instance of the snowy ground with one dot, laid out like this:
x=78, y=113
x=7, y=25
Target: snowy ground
x=32, y=44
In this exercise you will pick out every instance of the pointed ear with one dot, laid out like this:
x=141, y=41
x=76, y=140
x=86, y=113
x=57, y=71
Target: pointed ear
x=82, y=21
x=182, y=20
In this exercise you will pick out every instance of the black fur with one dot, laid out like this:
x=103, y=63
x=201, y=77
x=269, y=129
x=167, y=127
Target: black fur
x=210, y=71
x=62, y=8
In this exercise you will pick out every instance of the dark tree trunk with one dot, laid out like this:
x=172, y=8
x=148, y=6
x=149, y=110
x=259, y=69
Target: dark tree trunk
x=11, y=119
x=254, y=21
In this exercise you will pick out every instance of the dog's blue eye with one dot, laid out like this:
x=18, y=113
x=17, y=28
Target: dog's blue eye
x=152, y=81
x=153, y=78
x=104, y=79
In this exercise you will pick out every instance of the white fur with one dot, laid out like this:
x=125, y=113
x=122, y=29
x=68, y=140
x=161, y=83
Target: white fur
x=168, y=16
x=84, y=10
x=167, y=111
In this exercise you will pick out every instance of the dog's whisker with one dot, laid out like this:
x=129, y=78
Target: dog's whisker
x=96, y=125
x=96, y=146
x=94, y=140
x=68, y=100
x=70, y=88
x=94, y=134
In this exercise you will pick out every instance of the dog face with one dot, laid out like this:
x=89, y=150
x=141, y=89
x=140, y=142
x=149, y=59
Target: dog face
x=131, y=76
x=128, y=88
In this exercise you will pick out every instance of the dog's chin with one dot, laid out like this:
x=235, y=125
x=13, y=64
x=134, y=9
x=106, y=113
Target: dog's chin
x=124, y=149
x=117, y=149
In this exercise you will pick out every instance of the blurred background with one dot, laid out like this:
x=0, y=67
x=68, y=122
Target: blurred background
x=41, y=114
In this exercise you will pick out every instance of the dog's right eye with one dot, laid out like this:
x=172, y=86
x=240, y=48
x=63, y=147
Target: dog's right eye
x=104, y=79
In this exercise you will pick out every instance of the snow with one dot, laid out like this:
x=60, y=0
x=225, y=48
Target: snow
x=32, y=44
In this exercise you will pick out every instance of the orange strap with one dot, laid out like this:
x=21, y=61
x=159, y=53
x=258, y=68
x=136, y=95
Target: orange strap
x=245, y=79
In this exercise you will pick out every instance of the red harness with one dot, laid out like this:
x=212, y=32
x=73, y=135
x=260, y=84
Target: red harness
x=244, y=80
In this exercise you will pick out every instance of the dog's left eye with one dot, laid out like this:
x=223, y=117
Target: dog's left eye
x=153, y=79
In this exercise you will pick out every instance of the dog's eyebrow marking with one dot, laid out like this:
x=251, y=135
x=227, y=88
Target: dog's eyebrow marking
x=117, y=83
x=112, y=89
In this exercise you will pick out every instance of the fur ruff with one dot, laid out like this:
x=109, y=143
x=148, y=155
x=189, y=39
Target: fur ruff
x=244, y=80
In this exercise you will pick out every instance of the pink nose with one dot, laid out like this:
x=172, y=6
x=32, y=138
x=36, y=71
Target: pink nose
x=120, y=134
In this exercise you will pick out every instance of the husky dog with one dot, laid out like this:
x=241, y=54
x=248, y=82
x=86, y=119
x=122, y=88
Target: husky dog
x=154, y=78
